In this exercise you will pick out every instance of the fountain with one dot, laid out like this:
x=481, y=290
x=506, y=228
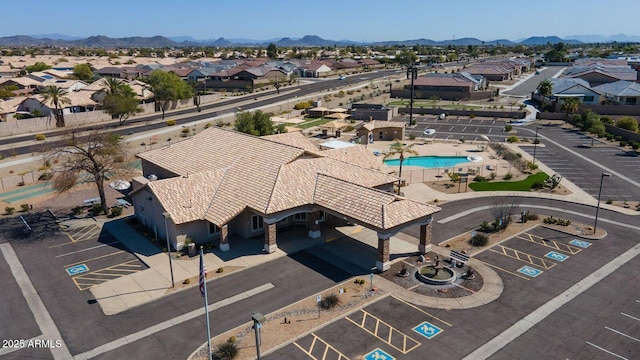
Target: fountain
x=436, y=274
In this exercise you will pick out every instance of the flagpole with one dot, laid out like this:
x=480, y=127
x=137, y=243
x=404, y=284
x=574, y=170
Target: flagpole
x=203, y=289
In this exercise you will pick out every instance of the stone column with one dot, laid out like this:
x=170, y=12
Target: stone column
x=313, y=223
x=425, y=237
x=270, y=244
x=383, y=263
x=224, y=238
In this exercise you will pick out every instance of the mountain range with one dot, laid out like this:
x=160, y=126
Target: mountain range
x=101, y=41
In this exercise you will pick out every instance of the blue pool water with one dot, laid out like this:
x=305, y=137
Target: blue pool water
x=429, y=162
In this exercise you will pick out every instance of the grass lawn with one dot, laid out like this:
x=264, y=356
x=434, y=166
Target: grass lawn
x=524, y=185
x=314, y=122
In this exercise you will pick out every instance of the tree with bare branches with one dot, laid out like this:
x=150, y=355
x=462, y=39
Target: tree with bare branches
x=96, y=155
x=502, y=209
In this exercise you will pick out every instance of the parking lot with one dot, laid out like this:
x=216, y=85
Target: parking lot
x=582, y=171
x=457, y=127
x=536, y=266
x=90, y=256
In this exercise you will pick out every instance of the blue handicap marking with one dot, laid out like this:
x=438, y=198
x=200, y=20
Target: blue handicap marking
x=77, y=269
x=529, y=271
x=427, y=330
x=580, y=243
x=378, y=354
x=556, y=256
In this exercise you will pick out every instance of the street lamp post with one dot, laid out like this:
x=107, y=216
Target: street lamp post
x=595, y=223
x=535, y=145
x=413, y=72
x=166, y=216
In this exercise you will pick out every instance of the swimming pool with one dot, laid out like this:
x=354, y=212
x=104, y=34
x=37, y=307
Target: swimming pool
x=429, y=162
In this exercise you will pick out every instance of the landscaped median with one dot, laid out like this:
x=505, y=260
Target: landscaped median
x=527, y=184
x=294, y=321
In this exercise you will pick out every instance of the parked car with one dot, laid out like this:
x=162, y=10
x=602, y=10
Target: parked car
x=341, y=77
x=429, y=131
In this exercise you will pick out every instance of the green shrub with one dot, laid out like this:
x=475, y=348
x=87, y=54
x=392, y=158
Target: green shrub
x=513, y=139
x=9, y=210
x=330, y=301
x=45, y=176
x=96, y=209
x=480, y=178
x=77, y=210
x=556, y=221
x=412, y=137
x=485, y=226
x=207, y=125
x=508, y=128
x=536, y=141
x=635, y=145
x=220, y=270
x=508, y=176
x=537, y=185
x=41, y=137
x=116, y=211
x=623, y=143
x=349, y=128
x=609, y=201
x=532, y=216
x=479, y=240
x=492, y=176
x=24, y=207
x=171, y=122
x=226, y=351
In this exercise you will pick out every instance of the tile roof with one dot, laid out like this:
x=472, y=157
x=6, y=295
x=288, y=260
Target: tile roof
x=379, y=124
x=223, y=172
x=378, y=209
x=561, y=85
x=619, y=88
x=294, y=138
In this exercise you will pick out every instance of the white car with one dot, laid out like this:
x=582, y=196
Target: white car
x=429, y=132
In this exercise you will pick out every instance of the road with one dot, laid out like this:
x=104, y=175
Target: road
x=531, y=84
x=148, y=123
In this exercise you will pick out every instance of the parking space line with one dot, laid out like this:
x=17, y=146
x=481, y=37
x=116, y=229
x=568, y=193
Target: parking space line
x=95, y=258
x=92, y=230
x=379, y=321
x=621, y=333
x=422, y=311
x=524, y=257
x=629, y=316
x=99, y=276
x=327, y=347
x=87, y=249
x=504, y=270
x=607, y=351
x=549, y=243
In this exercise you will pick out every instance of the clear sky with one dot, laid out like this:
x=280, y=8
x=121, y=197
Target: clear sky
x=357, y=20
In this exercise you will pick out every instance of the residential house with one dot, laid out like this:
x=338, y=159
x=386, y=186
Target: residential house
x=122, y=72
x=24, y=84
x=620, y=92
x=227, y=186
x=79, y=101
x=491, y=71
x=564, y=88
x=7, y=71
x=368, y=112
x=313, y=68
x=597, y=73
x=456, y=86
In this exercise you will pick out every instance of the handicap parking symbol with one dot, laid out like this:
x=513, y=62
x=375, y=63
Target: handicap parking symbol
x=529, y=271
x=556, y=256
x=580, y=243
x=427, y=330
x=378, y=354
x=77, y=269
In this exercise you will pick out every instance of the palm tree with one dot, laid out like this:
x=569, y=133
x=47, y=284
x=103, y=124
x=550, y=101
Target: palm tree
x=55, y=96
x=545, y=88
x=398, y=148
x=114, y=86
x=570, y=106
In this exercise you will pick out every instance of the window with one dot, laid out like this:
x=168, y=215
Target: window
x=256, y=223
x=300, y=216
x=213, y=229
x=631, y=101
x=588, y=98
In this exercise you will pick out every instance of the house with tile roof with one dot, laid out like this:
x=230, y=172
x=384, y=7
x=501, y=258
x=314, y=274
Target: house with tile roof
x=620, y=92
x=564, y=88
x=226, y=186
x=456, y=86
x=597, y=73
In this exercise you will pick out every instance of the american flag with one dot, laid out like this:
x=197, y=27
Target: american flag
x=203, y=274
